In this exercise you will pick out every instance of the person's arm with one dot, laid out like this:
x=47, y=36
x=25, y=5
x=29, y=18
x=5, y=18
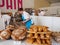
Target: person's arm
x=14, y=21
x=27, y=18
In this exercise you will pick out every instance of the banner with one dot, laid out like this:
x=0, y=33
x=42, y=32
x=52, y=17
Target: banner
x=10, y=4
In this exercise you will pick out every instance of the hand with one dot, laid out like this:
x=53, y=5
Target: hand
x=23, y=22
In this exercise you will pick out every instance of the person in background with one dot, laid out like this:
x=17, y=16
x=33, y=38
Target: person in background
x=7, y=18
x=25, y=17
x=33, y=12
x=17, y=19
x=41, y=13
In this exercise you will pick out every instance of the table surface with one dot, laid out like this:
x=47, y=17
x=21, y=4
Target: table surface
x=12, y=42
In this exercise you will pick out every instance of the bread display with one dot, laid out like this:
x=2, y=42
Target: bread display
x=18, y=34
x=40, y=35
x=5, y=34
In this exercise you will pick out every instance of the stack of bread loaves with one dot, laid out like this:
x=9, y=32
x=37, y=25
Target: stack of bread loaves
x=39, y=35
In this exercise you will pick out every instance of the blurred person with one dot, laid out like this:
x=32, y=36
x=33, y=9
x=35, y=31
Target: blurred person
x=6, y=18
x=17, y=18
x=25, y=17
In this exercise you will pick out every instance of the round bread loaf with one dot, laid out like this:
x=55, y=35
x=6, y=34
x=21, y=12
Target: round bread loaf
x=4, y=35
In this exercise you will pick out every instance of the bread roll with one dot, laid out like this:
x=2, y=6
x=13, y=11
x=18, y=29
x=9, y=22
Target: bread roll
x=5, y=34
x=39, y=41
x=45, y=29
x=47, y=41
x=30, y=35
x=43, y=41
x=35, y=43
x=42, y=36
x=47, y=36
x=31, y=30
x=35, y=29
x=29, y=40
x=40, y=28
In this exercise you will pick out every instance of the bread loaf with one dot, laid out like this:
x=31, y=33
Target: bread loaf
x=5, y=34
x=18, y=34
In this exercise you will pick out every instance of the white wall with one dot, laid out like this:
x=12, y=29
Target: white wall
x=52, y=22
x=28, y=3
x=55, y=4
x=52, y=10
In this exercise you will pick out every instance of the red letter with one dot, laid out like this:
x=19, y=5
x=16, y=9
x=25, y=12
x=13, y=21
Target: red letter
x=1, y=5
x=19, y=3
x=7, y=4
x=14, y=4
